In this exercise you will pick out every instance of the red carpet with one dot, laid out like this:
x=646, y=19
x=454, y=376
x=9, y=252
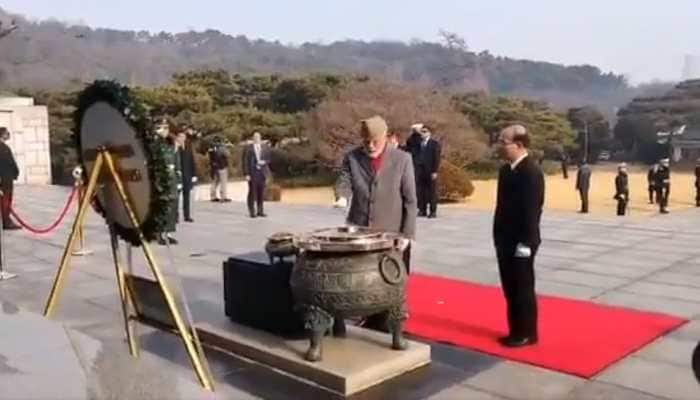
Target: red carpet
x=576, y=337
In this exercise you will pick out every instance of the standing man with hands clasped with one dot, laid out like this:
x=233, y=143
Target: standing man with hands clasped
x=516, y=233
x=256, y=160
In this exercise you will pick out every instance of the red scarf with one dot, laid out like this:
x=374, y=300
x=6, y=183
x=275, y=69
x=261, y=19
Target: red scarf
x=377, y=162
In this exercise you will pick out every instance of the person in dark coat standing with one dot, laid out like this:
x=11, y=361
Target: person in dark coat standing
x=622, y=191
x=583, y=184
x=426, y=161
x=188, y=172
x=256, y=160
x=651, y=182
x=9, y=172
x=662, y=184
x=516, y=233
x=697, y=183
x=218, y=170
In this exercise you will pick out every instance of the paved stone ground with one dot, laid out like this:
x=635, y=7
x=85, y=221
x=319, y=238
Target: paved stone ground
x=643, y=263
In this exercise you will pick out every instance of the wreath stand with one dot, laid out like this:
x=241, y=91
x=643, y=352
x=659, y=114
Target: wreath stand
x=104, y=169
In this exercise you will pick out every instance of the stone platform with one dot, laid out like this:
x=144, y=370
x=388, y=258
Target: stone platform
x=361, y=360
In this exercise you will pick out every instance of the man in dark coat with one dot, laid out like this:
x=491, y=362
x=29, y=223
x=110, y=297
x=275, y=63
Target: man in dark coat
x=622, y=191
x=9, y=172
x=583, y=184
x=256, y=160
x=516, y=233
x=651, y=181
x=697, y=183
x=188, y=172
x=426, y=160
x=662, y=184
x=218, y=170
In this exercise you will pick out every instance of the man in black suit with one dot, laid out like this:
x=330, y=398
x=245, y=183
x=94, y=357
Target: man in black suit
x=516, y=233
x=8, y=173
x=256, y=159
x=583, y=184
x=188, y=171
x=426, y=160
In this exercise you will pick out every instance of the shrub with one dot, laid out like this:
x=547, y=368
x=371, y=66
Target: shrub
x=483, y=169
x=454, y=184
x=273, y=192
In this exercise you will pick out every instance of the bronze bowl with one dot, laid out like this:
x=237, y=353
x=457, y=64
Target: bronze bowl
x=280, y=245
x=348, y=272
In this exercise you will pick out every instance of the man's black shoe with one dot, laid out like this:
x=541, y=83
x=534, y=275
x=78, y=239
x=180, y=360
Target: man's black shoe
x=253, y=215
x=262, y=215
x=432, y=216
x=517, y=342
x=189, y=220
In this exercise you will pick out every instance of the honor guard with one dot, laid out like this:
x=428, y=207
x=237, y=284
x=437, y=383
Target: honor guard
x=622, y=192
x=662, y=184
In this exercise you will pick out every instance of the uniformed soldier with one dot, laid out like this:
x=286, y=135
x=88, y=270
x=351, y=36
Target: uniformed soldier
x=622, y=192
x=697, y=183
x=662, y=183
x=175, y=172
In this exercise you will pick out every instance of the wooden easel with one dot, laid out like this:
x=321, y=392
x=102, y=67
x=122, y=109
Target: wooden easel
x=104, y=162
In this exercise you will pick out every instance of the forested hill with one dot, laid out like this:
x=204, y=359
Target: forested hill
x=51, y=54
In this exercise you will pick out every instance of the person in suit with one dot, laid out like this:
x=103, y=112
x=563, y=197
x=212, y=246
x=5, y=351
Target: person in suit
x=188, y=169
x=697, y=183
x=9, y=172
x=583, y=184
x=426, y=159
x=662, y=183
x=516, y=233
x=651, y=181
x=380, y=181
x=256, y=160
x=622, y=191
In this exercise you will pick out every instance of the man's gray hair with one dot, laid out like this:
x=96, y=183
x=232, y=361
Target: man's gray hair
x=518, y=133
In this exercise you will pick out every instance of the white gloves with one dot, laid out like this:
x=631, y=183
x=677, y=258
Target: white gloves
x=194, y=179
x=342, y=202
x=402, y=243
x=522, y=251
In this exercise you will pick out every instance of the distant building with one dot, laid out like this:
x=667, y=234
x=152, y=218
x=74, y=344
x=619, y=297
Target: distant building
x=687, y=145
x=691, y=67
x=29, y=140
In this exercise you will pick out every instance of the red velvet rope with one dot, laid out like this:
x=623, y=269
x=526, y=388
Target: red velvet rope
x=52, y=226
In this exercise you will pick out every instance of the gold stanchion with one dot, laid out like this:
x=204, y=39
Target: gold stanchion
x=189, y=338
x=80, y=187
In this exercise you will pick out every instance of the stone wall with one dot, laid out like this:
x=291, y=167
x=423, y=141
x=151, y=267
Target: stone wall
x=29, y=140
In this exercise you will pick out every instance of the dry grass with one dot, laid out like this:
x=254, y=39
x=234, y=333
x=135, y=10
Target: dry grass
x=560, y=193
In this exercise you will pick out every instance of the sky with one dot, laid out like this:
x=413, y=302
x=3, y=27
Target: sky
x=644, y=40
